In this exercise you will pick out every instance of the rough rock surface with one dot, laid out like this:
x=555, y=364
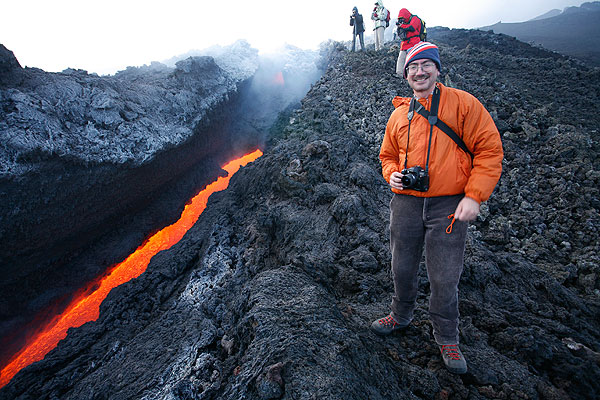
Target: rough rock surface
x=90, y=166
x=548, y=31
x=271, y=293
x=72, y=143
x=125, y=118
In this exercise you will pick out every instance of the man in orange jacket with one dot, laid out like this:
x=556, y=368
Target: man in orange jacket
x=438, y=188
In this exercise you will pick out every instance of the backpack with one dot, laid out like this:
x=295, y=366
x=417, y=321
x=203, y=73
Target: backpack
x=387, y=18
x=423, y=34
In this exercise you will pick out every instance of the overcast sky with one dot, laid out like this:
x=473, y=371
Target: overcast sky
x=109, y=35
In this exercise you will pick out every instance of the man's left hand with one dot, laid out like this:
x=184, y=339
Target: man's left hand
x=467, y=210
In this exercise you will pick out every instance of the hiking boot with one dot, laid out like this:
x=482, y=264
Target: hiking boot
x=386, y=325
x=453, y=358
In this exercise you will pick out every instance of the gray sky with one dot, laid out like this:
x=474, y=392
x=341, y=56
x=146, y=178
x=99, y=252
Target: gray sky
x=109, y=35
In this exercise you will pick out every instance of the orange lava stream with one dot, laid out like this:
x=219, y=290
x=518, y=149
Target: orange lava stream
x=278, y=79
x=87, y=307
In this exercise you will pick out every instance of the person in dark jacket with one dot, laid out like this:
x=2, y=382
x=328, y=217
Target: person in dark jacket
x=356, y=21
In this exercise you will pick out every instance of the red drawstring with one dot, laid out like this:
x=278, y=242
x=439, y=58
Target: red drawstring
x=449, y=228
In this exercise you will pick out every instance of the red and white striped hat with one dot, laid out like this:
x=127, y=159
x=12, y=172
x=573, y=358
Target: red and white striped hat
x=423, y=50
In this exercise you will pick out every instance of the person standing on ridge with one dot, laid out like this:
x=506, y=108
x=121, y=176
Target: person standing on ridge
x=356, y=21
x=439, y=181
x=379, y=16
x=409, y=32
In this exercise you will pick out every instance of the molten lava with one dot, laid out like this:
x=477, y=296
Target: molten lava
x=278, y=79
x=87, y=307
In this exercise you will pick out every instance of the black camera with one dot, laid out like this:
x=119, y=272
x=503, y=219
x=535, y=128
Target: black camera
x=415, y=178
x=402, y=33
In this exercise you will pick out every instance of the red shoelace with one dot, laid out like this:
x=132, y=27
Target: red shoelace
x=451, y=351
x=387, y=321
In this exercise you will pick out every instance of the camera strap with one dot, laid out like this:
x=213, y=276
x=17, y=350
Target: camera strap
x=410, y=115
x=434, y=120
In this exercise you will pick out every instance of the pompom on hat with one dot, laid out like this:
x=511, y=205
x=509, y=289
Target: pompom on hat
x=423, y=50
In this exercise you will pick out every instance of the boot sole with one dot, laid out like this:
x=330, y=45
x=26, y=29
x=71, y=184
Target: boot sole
x=385, y=333
x=457, y=371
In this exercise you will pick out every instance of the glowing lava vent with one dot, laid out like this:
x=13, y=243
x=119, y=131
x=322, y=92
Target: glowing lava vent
x=278, y=79
x=86, y=307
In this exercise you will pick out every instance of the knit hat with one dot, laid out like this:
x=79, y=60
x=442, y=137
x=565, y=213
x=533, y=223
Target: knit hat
x=423, y=50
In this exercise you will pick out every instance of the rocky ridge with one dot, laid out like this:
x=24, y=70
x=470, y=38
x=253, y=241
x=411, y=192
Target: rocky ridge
x=73, y=143
x=548, y=30
x=271, y=293
x=90, y=165
x=91, y=119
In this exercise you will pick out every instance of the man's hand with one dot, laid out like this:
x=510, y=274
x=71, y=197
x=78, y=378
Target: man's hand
x=396, y=180
x=467, y=209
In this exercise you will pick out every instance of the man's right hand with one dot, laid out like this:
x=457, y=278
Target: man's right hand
x=396, y=180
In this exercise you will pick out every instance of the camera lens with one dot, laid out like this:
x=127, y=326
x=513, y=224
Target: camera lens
x=408, y=180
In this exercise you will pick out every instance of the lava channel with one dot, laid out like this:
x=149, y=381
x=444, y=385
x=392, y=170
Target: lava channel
x=86, y=308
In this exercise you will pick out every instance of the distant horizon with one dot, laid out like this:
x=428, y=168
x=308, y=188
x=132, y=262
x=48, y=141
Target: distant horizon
x=108, y=37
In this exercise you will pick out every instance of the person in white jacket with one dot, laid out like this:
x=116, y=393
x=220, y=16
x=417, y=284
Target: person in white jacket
x=379, y=16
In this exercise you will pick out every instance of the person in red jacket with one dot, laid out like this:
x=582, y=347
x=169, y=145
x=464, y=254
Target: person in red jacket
x=409, y=31
x=438, y=188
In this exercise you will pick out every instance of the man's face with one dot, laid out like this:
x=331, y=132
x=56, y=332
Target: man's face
x=422, y=75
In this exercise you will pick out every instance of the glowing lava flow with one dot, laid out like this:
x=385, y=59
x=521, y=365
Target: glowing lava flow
x=87, y=307
x=278, y=79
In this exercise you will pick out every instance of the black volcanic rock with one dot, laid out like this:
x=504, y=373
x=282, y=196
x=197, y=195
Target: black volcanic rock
x=10, y=69
x=285, y=270
x=125, y=118
x=574, y=32
x=90, y=166
x=80, y=154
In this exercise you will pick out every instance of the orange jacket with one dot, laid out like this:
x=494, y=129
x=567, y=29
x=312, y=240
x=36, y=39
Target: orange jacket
x=450, y=170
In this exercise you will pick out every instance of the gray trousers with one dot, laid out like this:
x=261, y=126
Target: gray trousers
x=400, y=63
x=362, y=41
x=379, y=34
x=418, y=224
